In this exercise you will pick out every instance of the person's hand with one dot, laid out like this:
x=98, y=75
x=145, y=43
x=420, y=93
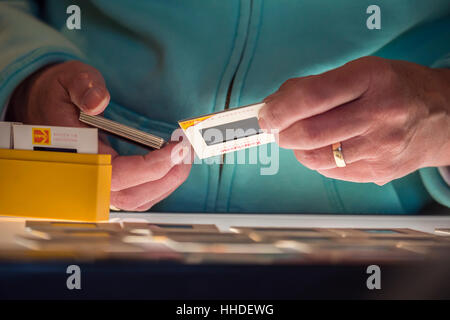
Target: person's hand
x=53, y=96
x=391, y=117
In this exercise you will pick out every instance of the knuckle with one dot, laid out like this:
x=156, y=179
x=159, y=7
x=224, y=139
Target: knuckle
x=288, y=83
x=380, y=70
x=396, y=142
x=309, y=134
x=387, y=67
x=274, y=116
x=370, y=60
x=398, y=114
x=388, y=71
x=123, y=200
x=371, y=63
x=286, y=139
x=310, y=159
x=158, y=167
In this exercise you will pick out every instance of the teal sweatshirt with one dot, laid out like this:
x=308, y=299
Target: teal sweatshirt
x=166, y=60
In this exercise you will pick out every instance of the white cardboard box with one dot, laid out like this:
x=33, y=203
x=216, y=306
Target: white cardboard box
x=51, y=138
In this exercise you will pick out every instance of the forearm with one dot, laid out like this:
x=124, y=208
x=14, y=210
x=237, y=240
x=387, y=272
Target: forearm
x=27, y=46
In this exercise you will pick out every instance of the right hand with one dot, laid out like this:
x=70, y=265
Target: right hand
x=54, y=95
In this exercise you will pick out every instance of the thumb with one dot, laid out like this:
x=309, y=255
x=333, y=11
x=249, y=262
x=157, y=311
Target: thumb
x=85, y=87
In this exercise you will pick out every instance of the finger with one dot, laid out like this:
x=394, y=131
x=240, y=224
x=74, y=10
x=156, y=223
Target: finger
x=302, y=98
x=360, y=171
x=339, y=124
x=354, y=150
x=135, y=197
x=150, y=204
x=130, y=171
x=85, y=86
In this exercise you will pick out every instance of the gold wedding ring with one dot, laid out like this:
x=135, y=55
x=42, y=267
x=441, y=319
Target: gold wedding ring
x=337, y=154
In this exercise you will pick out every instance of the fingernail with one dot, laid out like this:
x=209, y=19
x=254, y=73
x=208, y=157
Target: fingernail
x=92, y=99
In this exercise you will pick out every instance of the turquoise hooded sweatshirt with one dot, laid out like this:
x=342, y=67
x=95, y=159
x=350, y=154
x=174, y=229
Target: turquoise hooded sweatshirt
x=166, y=60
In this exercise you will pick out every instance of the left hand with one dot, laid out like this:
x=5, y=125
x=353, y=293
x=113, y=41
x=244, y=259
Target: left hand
x=391, y=117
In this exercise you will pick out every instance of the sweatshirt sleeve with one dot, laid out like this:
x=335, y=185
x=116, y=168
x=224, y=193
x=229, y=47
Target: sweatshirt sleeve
x=27, y=44
x=434, y=178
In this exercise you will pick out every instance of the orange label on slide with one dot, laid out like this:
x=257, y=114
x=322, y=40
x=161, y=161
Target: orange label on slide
x=41, y=136
x=189, y=123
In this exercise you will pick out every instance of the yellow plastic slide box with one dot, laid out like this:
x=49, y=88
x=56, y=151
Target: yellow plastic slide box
x=55, y=185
